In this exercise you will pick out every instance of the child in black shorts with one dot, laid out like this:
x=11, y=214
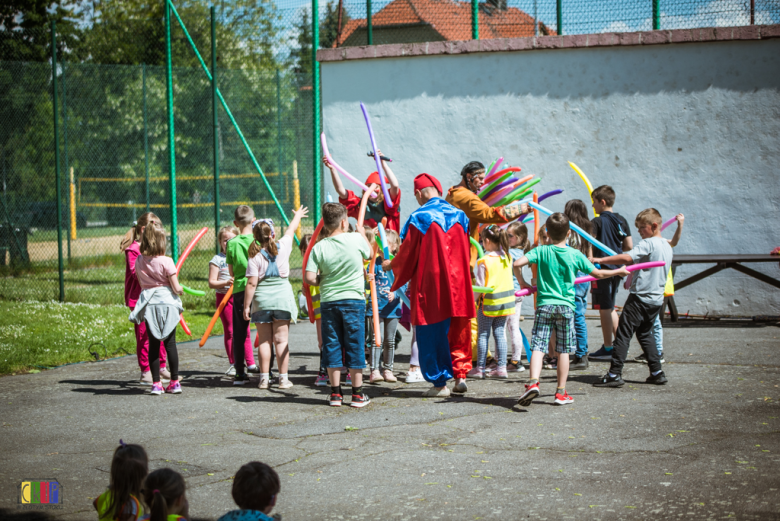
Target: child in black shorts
x=612, y=230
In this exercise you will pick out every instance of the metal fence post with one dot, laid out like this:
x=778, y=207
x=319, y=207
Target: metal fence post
x=146, y=134
x=752, y=12
x=57, y=157
x=315, y=91
x=171, y=143
x=656, y=15
x=370, y=23
x=559, y=15
x=475, y=19
x=65, y=148
x=217, y=216
x=279, y=124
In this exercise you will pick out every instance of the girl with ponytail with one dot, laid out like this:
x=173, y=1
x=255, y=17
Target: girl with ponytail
x=517, y=234
x=269, y=301
x=165, y=493
x=131, y=245
x=494, y=271
x=128, y=470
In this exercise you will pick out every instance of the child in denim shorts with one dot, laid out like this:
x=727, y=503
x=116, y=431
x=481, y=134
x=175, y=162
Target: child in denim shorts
x=336, y=266
x=557, y=268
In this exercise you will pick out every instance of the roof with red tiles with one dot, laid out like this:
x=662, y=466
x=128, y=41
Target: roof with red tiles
x=451, y=19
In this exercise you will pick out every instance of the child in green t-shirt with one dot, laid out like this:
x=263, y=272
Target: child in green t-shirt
x=557, y=268
x=236, y=251
x=336, y=266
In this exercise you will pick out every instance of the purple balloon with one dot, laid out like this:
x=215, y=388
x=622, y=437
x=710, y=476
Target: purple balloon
x=550, y=194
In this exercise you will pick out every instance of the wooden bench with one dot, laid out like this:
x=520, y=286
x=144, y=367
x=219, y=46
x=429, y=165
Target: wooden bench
x=722, y=262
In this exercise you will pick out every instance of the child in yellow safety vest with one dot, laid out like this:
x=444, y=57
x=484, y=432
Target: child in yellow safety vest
x=493, y=271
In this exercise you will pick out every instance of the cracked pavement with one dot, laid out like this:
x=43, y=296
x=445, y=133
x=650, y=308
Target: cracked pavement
x=705, y=446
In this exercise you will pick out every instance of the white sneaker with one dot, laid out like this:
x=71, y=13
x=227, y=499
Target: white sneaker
x=414, y=377
x=433, y=392
x=285, y=384
x=231, y=370
x=146, y=378
x=253, y=369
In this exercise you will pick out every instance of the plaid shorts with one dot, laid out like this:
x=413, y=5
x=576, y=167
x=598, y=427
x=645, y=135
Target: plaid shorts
x=559, y=318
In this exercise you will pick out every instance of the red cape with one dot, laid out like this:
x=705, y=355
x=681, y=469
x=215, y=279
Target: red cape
x=436, y=265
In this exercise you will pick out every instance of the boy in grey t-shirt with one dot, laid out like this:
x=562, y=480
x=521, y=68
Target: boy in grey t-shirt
x=645, y=301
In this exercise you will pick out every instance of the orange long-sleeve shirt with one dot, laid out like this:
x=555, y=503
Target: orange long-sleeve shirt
x=476, y=210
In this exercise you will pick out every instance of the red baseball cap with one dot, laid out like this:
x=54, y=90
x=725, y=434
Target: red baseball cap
x=426, y=180
x=373, y=178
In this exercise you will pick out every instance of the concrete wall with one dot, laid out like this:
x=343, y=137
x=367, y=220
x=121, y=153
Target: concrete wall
x=690, y=128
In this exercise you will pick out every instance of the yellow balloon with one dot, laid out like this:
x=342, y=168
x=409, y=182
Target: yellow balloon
x=586, y=181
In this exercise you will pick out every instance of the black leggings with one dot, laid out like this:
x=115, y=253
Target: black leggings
x=154, y=355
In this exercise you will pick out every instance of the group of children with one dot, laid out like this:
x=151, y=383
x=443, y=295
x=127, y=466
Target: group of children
x=339, y=271
x=135, y=494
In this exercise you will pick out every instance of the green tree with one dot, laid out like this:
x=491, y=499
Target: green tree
x=26, y=33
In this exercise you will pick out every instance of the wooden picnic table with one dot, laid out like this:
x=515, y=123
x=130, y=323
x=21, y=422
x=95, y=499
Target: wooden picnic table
x=722, y=261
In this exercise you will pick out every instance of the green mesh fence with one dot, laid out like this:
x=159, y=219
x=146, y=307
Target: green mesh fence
x=113, y=118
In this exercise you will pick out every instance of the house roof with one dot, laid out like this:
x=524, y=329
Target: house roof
x=451, y=19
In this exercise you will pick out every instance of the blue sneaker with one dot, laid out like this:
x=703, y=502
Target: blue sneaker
x=604, y=353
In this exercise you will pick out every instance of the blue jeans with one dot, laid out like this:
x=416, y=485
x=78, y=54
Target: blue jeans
x=658, y=333
x=434, y=351
x=580, y=305
x=343, y=326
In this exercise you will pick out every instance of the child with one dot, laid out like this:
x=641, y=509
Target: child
x=494, y=270
x=269, y=295
x=220, y=280
x=165, y=493
x=517, y=234
x=389, y=315
x=159, y=304
x=376, y=208
x=314, y=291
x=658, y=331
x=129, y=467
x=255, y=490
x=237, y=250
x=577, y=213
x=336, y=265
x=644, y=302
x=131, y=246
x=612, y=230
x=557, y=269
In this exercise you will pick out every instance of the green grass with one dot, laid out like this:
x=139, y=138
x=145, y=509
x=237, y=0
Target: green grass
x=36, y=332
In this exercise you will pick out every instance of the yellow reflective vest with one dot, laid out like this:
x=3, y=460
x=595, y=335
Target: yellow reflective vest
x=498, y=277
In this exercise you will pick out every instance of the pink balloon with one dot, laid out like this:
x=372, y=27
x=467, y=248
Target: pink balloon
x=667, y=223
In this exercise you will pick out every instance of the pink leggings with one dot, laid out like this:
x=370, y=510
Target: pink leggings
x=227, y=326
x=142, y=347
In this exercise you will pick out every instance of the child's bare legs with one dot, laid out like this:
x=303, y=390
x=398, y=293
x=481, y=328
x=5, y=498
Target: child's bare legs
x=334, y=375
x=609, y=323
x=537, y=359
x=563, y=370
x=265, y=333
x=281, y=329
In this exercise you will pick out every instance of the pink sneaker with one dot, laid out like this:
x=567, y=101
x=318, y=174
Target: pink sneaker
x=157, y=389
x=375, y=377
x=498, y=372
x=321, y=381
x=174, y=387
x=476, y=372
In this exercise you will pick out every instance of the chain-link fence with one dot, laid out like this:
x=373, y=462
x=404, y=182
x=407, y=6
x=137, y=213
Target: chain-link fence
x=112, y=112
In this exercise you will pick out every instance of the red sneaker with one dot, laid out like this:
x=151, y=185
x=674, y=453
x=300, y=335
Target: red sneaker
x=335, y=400
x=563, y=399
x=531, y=392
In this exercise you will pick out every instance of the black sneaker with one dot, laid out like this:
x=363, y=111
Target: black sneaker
x=658, y=379
x=610, y=381
x=241, y=379
x=359, y=400
x=549, y=362
x=642, y=359
x=579, y=363
x=335, y=400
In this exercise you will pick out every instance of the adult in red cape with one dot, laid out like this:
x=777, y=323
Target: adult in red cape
x=434, y=260
x=376, y=208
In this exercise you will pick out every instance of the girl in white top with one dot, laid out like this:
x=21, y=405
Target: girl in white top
x=269, y=297
x=220, y=280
